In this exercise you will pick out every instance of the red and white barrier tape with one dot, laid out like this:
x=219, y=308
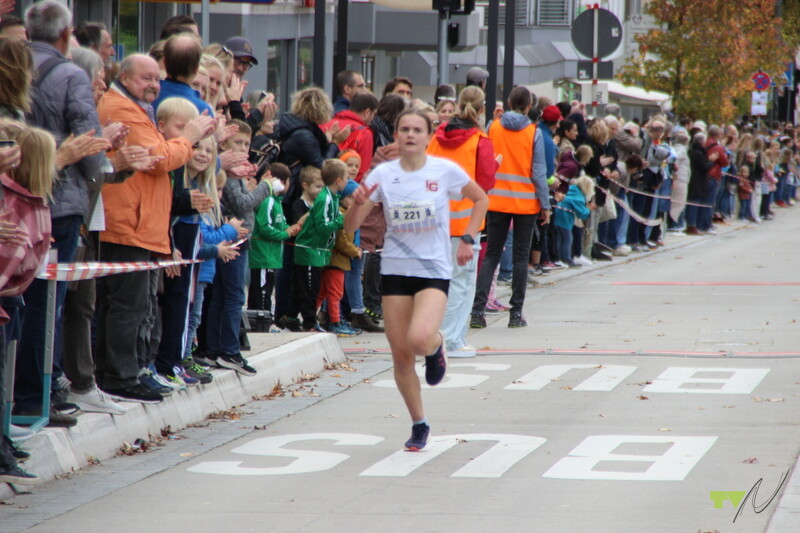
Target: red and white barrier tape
x=633, y=214
x=99, y=269
x=656, y=196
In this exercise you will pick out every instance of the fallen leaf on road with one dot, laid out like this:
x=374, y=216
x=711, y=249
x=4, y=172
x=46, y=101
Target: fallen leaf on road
x=643, y=397
x=757, y=399
x=601, y=415
x=297, y=394
x=751, y=460
x=664, y=429
x=566, y=387
x=392, y=415
x=728, y=406
x=187, y=454
x=336, y=375
x=774, y=399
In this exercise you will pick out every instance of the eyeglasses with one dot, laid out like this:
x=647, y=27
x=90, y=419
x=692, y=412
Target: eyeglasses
x=247, y=64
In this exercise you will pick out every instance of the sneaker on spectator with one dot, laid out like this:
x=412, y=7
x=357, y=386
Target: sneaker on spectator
x=17, y=476
x=341, y=330
x=57, y=419
x=548, y=266
x=419, y=437
x=238, y=363
x=462, y=352
x=349, y=325
x=377, y=315
x=175, y=380
x=95, y=401
x=573, y=264
x=516, y=320
x=59, y=400
x=499, y=305
x=178, y=370
x=559, y=264
x=136, y=393
x=148, y=380
x=323, y=319
x=504, y=278
x=491, y=309
x=622, y=250
x=583, y=260
x=711, y=231
x=166, y=382
x=364, y=322
x=477, y=320
x=206, y=359
x=20, y=455
x=199, y=372
x=292, y=324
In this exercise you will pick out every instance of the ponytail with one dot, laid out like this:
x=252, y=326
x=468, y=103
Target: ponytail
x=470, y=103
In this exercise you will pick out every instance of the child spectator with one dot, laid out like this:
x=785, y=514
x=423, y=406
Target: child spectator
x=578, y=202
x=314, y=243
x=172, y=116
x=240, y=197
x=311, y=183
x=217, y=235
x=744, y=190
x=333, y=276
x=269, y=233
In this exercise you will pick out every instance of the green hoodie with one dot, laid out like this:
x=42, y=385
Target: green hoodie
x=269, y=232
x=315, y=241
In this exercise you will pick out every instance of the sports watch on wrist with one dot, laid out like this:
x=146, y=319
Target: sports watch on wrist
x=468, y=239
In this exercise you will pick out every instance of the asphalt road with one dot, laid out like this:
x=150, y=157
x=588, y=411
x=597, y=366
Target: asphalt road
x=650, y=395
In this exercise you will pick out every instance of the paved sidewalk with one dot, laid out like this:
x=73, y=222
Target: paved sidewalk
x=278, y=357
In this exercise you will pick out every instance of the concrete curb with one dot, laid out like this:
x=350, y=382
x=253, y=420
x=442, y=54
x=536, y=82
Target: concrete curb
x=58, y=451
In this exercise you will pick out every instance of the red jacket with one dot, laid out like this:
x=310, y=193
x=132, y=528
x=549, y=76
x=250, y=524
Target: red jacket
x=713, y=147
x=454, y=134
x=361, y=139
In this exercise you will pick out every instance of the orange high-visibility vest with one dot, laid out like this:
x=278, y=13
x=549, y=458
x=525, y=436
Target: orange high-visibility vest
x=513, y=191
x=465, y=156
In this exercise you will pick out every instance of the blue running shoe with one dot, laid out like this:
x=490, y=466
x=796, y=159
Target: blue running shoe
x=419, y=437
x=436, y=364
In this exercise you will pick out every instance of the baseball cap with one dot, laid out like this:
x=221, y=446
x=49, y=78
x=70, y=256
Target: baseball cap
x=477, y=75
x=241, y=47
x=551, y=113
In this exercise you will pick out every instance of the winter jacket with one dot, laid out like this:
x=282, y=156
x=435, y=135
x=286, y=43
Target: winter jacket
x=344, y=248
x=137, y=211
x=341, y=104
x=315, y=241
x=360, y=139
x=626, y=145
x=269, y=232
x=66, y=101
x=700, y=165
x=238, y=202
x=303, y=144
x=594, y=168
x=373, y=230
x=455, y=133
x=213, y=236
x=721, y=162
x=550, y=148
x=174, y=88
x=573, y=204
x=20, y=263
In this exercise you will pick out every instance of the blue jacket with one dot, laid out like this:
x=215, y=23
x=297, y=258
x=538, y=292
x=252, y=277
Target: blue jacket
x=574, y=203
x=67, y=104
x=211, y=237
x=173, y=88
x=550, y=148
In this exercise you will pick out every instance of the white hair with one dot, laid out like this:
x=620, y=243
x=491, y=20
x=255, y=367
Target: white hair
x=46, y=21
x=89, y=60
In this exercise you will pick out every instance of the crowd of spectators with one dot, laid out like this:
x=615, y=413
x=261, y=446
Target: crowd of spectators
x=165, y=157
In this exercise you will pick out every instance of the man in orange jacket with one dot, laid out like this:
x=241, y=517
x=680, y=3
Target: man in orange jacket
x=137, y=215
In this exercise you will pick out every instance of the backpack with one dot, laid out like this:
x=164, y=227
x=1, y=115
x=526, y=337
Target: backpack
x=264, y=154
x=42, y=72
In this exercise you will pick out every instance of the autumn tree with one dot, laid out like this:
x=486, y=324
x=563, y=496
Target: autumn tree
x=704, y=53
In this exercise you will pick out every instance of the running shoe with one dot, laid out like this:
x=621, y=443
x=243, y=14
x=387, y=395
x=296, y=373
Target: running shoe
x=517, y=320
x=491, y=309
x=419, y=437
x=341, y=330
x=197, y=371
x=498, y=305
x=436, y=364
x=17, y=476
x=206, y=359
x=377, y=315
x=477, y=320
x=238, y=363
x=149, y=382
x=178, y=370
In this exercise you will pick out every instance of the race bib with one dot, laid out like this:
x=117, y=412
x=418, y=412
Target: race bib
x=411, y=217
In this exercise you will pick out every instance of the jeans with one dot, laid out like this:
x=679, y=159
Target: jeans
x=497, y=226
x=29, y=375
x=705, y=214
x=176, y=301
x=225, y=309
x=194, y=316
x=459, y=297
x=642, y=205
x=123, y=308
x=621, y=222
x=352, y=285
x=372, y=282
x=563, y=238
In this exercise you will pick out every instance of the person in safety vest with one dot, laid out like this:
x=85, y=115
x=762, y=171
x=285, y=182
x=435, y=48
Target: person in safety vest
x=462, y=141
x=520, y=196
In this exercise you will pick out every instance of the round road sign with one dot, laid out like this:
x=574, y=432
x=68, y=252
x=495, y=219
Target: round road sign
x=761, y=81
x=609, y=33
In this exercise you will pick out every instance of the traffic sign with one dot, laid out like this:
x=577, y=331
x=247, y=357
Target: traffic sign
x=758, y=103
x=605, y=70
x=761, y=81
x=609, y=33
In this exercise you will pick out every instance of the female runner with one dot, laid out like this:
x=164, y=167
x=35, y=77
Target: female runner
x=416, y=262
